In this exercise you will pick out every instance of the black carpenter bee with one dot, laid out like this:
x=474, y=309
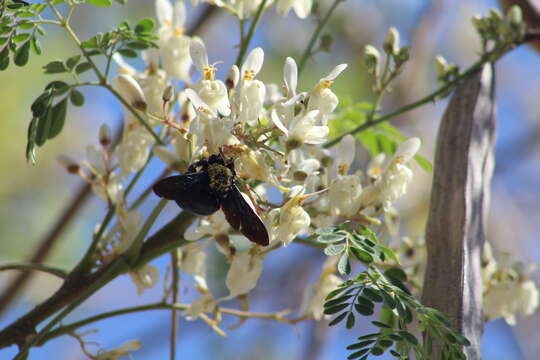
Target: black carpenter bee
x=207, y=186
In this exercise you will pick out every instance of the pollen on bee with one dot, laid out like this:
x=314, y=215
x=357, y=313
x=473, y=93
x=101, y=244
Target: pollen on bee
x=220, y=177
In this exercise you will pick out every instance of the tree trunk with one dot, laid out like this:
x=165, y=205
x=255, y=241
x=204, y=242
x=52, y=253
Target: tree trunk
x=455, y=230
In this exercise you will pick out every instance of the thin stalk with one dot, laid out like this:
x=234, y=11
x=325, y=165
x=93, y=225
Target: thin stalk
x=316, y=33
x=426, y=99
x=37, y=267
x=174, y=312
x=245, y=43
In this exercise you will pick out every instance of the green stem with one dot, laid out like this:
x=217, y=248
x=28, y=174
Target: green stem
x=316, y=33
x=133, y=252
x=37, y=267
x=245, y=43
x=426, y=99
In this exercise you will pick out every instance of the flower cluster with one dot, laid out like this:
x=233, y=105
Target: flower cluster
x=275, y=133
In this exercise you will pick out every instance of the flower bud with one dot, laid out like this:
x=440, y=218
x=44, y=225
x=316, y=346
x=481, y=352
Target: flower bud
x=168, y=94
x=391, y=41
x=104, y=135
x=372, y=58
x=514, y=15
x=441, y=66
x=68, y=163
x=232, y=77
x=131, y=90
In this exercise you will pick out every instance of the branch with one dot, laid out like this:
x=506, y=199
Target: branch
x=167, y=238
x=245, y=43
x=316, y=33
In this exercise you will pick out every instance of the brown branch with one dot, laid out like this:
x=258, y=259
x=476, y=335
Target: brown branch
x=455, y=230
x=161, y=242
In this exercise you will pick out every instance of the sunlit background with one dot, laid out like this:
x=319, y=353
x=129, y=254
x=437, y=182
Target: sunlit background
x=31, y=197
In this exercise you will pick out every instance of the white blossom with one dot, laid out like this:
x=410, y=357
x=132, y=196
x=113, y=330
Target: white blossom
x=510, y=298
x=322, y=98
x=345, y=151
x=205, y=303
x=293, y=219
x=130, y=89
x=134, y=148
x=145, y=277
x=344, y=195
x=250, y=97
x=121, y=351
x=393, y=182
x=174, y=45
x=302, y=8
x=315, y=296
x=211, y=91
x=243, y=273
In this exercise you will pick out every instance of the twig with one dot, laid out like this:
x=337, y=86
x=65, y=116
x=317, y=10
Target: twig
x=245, y=44
x=37, y=267
x=316, y=33
x=174, y=312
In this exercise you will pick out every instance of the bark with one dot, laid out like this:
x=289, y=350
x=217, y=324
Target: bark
x=459, y=202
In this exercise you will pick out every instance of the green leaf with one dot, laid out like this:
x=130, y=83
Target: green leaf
x=357, y=354
x=72, y=61
x=388, y=300
x=55, y=67
x=396, y=273
x=22, y=54
x=43, y=128
x=82, y=67
x=389, y=253
x=334, y=249
x=36, y=46
x=31, y=141
x=369, y=336
x=337, y=301
x=59, y=112
x=377, y=351
x=362, y=256
x=365, y=302
x=333, y=293
x=138, y=45
x=385, y=343
x=344, y=267
x=364, y=310
x=338, y=319
x=325, y=230
x=3, y=40
x=101, y=3
x=407, y=336
x=360, y=345
x=128, y=53
x=144, y=26
x=335, y=309
x=76, y=97
x=424, y=163
x=331, y=238
x=4, y=58
x=21, y=37
x=40, y=105
x=59, y=87
x=381, y=325
x=350, y=321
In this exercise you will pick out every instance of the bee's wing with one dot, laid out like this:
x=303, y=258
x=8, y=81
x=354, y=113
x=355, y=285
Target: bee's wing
x=243, y=217
x=190, y=191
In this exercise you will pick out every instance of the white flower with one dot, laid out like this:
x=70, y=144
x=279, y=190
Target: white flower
x=192, y=260
x=153, y=84
x=322, y=98
x=393, y=182
x=344, y=195
x=212, y=92
x=302, y=8
x=246, y=8
x=213, y=225
x=293, y=219
x=252, y=164
x=243, y=273
x=145, y=277
x=131, y=91
x=174, y=45
x=345, y=152
x=180, y=158
x=509, y=298
x=290, y=77
x=121, y=351
x=251, y=93
x=206, y=303
x=129, y=224
x=303, y=130
x=134, y=148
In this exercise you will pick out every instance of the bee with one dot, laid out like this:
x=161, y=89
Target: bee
x=208, y=185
